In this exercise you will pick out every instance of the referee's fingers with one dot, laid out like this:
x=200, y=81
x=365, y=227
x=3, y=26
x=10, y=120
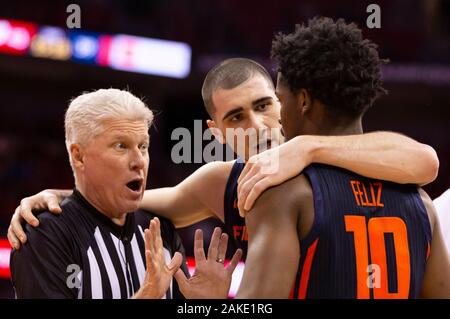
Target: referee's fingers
x=175, y=263
x=199, y=251
x=151, y=267
x=157, y=235
x=150, y=260
x=223, y=244
x=153, y=237
x=147, y=240
x=214, y=244
x=181, y=279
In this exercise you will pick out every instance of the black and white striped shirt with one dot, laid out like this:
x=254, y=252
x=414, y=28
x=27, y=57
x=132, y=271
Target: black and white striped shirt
x=83, y=254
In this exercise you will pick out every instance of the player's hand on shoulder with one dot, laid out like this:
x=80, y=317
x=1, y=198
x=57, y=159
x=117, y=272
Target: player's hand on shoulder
x=44, y=200
x=270, y=168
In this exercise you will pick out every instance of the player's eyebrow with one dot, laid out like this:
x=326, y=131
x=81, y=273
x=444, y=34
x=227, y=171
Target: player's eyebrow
x=233, y=112
x=240, y=108
x=263, y=99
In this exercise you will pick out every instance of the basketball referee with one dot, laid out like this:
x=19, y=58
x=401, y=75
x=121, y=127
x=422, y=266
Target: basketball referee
x=97, y=248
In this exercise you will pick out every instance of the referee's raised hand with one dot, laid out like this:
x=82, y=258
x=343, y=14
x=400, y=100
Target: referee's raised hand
x=211, y=279
x=158, y=275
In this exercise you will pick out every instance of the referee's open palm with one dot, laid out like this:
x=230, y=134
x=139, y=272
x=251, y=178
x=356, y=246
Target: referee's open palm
x=158, y=275
x=211, y=278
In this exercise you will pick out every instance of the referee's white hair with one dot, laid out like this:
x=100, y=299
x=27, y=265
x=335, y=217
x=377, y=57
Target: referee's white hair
x=87, y=112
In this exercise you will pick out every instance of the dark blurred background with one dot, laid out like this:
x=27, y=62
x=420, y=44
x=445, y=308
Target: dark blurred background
x=34, y=92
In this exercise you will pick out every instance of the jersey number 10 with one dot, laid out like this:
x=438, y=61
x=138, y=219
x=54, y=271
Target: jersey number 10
x=372, y=235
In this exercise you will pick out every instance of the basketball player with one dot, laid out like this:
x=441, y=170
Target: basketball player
x=239, y=93
x=332, y=232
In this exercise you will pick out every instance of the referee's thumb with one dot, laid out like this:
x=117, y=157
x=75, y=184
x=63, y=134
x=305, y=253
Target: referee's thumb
x=175, y=263
x=181, y=279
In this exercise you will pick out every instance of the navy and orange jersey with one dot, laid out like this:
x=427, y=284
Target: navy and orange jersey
x=369, y=239
x=234, y=223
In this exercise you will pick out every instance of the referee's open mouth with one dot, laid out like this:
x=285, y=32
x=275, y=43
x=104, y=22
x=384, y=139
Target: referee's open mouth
x=136, y=185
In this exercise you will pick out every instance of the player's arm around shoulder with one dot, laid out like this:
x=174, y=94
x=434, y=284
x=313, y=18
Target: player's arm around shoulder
x=197, y=197
x=436, y=283
x=53, y=230
x=207, y=186
x=39, y=269
x=274, y=245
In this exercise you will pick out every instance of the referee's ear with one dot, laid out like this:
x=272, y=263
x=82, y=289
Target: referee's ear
x=76, y=154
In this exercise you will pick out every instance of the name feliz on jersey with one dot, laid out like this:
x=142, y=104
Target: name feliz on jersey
x=363, y=198
x=239, y=231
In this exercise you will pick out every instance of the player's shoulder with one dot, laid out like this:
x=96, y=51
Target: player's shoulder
x=296, y=188
x=281, y=205
x=47, y=221
x=53, y=230
x=68, y=219
x=291, y=194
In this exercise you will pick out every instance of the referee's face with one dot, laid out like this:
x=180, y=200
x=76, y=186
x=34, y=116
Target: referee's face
x=114, y=168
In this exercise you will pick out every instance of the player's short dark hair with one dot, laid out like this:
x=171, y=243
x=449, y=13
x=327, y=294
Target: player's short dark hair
x=332, y=61
x=229, y=74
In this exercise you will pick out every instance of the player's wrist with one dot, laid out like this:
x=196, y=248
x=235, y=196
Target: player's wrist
x=311, y=148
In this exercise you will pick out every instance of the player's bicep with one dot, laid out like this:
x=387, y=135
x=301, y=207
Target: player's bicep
x=273, y=251
x=203, y=191
x=177, y=203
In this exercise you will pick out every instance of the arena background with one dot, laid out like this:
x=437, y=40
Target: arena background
x=34, y=91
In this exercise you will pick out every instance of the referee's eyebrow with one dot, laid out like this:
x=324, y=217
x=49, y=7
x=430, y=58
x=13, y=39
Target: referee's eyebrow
x=127, y=139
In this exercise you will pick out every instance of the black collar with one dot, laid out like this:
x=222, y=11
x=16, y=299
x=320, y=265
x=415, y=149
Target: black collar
x=124, y=232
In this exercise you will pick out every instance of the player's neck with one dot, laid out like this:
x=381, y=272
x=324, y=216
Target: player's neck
x=340, y=127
